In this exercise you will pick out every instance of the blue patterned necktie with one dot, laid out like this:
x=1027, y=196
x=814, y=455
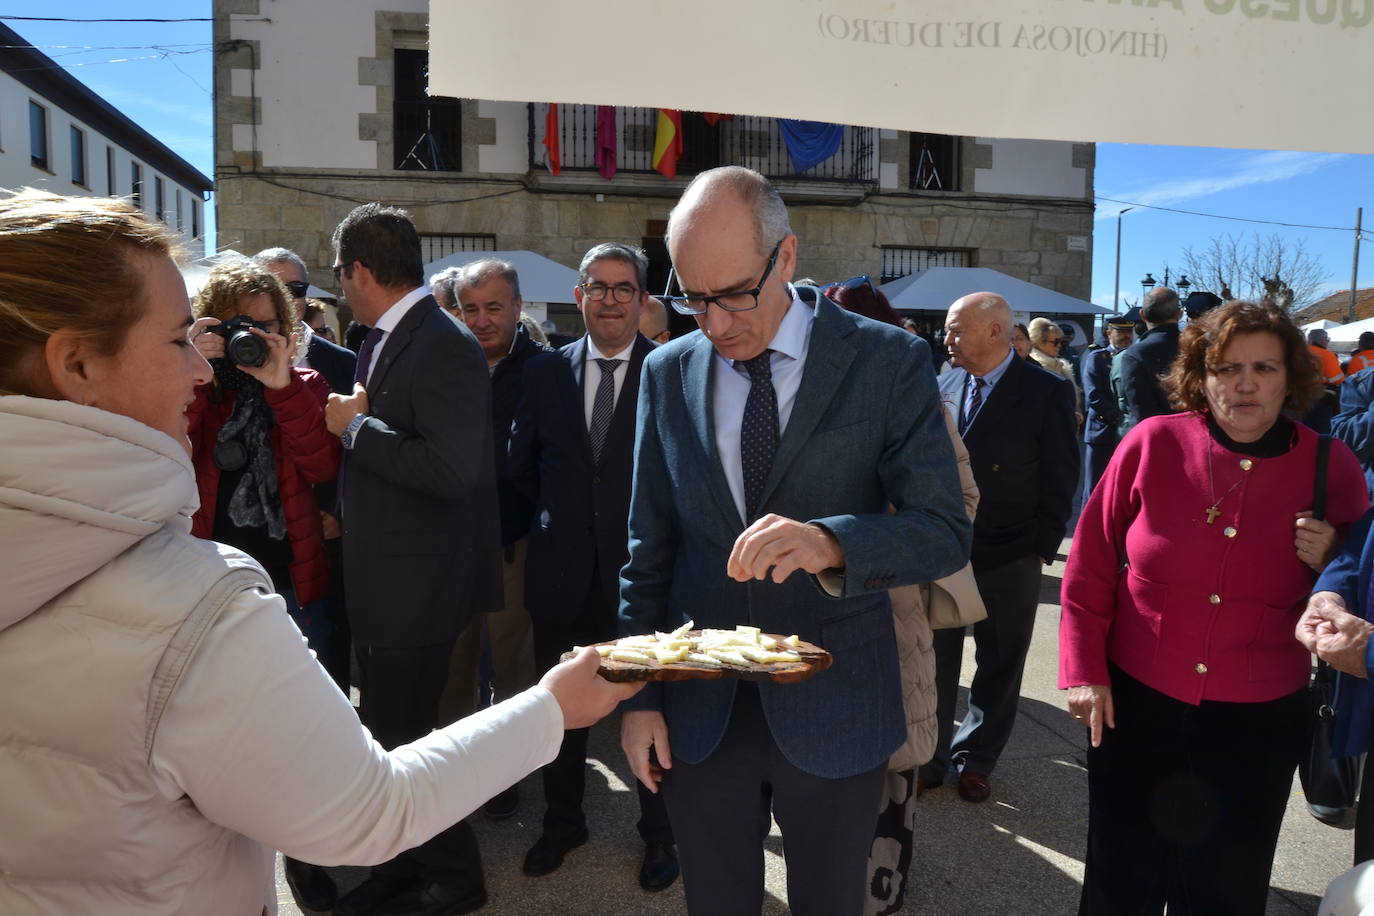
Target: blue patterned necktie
x=758, y=437
x=975, y=401
x=603, y=406
x=365, y=355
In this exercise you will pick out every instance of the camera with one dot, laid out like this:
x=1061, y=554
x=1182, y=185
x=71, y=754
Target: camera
x=241, y=346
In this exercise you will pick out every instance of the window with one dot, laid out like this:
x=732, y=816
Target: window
x=176, y=214
x=78, y=137
x=38, y=136
x=195, y=218
x=110, y=172
x=136, y=183
x=934, y=162
x=427, y=129
x=159, y=198
x=434, y=247
x=899, y=260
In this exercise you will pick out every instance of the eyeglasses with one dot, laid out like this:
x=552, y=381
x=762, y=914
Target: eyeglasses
x=338, y=269
x=623, y=293
x=742, y=301
x=297, y=288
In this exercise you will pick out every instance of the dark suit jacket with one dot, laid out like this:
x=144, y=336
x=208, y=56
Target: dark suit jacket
x=1104, y=414
x=337, y=365
x=581, y=507
x=1142, y=364
x=1023, y=448
x=507, y=388
x=865, y=433
x=421, y=525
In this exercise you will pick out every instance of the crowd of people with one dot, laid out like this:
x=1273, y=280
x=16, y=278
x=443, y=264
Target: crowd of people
x=215, y=522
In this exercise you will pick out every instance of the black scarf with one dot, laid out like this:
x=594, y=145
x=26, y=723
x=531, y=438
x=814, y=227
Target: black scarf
x=244, y=441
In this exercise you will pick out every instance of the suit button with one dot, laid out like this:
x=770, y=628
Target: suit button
x=1200, y=668
x=997, y=467
x=596, y=480
x=1215, y=599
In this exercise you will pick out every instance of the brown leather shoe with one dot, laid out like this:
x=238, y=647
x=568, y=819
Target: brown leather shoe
x=974, y=787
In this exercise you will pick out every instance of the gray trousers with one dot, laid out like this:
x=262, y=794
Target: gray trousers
x=1011, y=592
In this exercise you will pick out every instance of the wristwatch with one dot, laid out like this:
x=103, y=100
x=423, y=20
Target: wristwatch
x=351, y=430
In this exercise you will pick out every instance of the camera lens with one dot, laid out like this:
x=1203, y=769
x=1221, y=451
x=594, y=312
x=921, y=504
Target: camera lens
x=246, y=349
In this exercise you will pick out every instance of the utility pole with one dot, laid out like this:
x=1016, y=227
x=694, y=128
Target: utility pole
x=1354, y=265
x=1116, y=297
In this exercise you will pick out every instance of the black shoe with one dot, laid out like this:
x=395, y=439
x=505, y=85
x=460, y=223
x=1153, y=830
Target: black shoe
x=547, y=853
x=503, y=804
x=434, y=899
x=313, y=887
x=364, y=899
x=659, y=868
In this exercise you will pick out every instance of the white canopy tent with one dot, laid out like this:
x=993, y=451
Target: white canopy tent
x=541, y=279
x=1321, y=324
x=1344, y=337
x=194, y=273
x=936, y=288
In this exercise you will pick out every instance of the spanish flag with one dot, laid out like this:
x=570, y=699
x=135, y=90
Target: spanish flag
x=668, y=142
x=553, y=157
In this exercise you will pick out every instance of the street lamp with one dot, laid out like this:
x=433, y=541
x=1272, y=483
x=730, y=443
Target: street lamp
x=1183, y=287
x=1148, y=283
x=1116, y=297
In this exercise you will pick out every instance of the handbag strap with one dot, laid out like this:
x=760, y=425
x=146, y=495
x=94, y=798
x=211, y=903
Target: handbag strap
x=1319, y=485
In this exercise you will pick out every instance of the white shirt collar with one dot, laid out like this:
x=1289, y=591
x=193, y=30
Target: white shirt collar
x=392, y=316
x=594, y=352
x=793, y=333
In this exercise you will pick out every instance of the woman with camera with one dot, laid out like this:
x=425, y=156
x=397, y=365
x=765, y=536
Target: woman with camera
x=258, y=439
x=163, y=727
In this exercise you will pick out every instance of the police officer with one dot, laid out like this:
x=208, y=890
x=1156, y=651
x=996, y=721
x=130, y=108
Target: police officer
x=1104, y=413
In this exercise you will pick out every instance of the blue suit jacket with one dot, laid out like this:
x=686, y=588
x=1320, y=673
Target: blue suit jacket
x=337, y=365
x=1104, y=414
x=580, y=505
x=1354, y=425
x=1348, y=576
x=865, y=434
x=1023, y=448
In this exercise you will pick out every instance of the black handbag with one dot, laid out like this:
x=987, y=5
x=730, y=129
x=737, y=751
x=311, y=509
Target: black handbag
x=1331, y=784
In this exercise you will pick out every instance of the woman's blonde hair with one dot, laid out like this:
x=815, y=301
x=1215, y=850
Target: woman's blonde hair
x=230, y=282
x=70, y=263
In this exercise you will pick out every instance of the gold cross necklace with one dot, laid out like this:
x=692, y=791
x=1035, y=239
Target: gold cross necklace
x=1215, y=508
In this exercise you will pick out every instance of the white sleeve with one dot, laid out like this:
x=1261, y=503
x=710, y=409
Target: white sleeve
x=263, y=742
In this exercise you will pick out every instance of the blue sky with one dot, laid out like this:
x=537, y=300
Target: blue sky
x=160, y=75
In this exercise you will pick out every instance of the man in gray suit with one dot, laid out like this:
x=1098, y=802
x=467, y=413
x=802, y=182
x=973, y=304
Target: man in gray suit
x=769, y=449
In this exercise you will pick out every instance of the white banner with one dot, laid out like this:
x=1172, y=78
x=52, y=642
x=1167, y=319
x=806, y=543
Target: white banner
x=1270, y=74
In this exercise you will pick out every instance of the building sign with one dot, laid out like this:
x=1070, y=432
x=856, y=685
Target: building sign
x=1237, y=73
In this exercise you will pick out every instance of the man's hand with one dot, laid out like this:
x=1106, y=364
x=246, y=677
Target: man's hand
x=785, y=546
x=643, y=731
x=330, y=524
x=1338, y=637
x=340, y=409
x=584, y=696
x=1092, y=704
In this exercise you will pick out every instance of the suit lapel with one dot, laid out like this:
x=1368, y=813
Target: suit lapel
x=695, y=364
x=623, y=419
x=396, y=342
x=828, y=358
x=1000, y=400
x=575, y=354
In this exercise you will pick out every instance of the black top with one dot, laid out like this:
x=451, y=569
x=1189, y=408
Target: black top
x=506, y=392
x=275, y=556
x=1277, y=441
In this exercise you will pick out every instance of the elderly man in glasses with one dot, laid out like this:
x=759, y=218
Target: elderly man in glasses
x=770, y=448
x=571, y=454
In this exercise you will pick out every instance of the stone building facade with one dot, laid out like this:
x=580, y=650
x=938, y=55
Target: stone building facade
x=304, y=135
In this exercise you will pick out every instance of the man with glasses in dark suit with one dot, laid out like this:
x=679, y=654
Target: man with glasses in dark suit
x=769, y=450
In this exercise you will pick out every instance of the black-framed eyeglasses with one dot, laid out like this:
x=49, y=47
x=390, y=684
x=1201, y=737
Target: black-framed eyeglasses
x=297, y=288
x=741, y=301
x=338, y=270
x=622, y=293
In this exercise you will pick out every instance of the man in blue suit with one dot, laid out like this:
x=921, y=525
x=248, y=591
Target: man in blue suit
x=571, y=456
x=1017, y=421
x=770, y=448
x=1104, y=413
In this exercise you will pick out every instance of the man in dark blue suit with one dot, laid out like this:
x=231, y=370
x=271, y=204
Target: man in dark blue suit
x=571, y=452
x=1017, y=421
x=770, y=448
x=422, y=530
x=1104, y=413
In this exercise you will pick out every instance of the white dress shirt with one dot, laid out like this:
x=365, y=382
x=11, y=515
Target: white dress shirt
x=591, y=375
x=730, y=390
x=387, y=323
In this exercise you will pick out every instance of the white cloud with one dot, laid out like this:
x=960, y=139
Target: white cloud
x=1255, y=169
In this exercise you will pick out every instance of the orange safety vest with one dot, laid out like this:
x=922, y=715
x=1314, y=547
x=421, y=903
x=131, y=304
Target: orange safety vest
x=1328, y=364
x=1362, y=360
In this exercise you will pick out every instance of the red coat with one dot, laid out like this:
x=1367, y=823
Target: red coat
x=1199, y=611
x=306, y=453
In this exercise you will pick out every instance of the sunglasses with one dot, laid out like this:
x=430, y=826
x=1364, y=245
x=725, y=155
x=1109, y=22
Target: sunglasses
x=297, y=288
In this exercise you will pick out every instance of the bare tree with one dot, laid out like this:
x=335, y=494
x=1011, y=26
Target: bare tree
x=1257, y=267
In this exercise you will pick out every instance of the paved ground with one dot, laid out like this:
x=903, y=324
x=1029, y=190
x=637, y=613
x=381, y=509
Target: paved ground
x=1020, y=853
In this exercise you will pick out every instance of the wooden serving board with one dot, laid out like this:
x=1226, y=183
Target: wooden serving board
x=814, y=660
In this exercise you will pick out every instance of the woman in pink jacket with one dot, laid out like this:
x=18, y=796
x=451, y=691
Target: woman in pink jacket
x=1190, y=566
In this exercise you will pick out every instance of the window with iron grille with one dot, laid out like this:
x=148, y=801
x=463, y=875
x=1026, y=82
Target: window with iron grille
x=934, y=162
x=427, y=130
x=900, y=260
x=434, y=247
